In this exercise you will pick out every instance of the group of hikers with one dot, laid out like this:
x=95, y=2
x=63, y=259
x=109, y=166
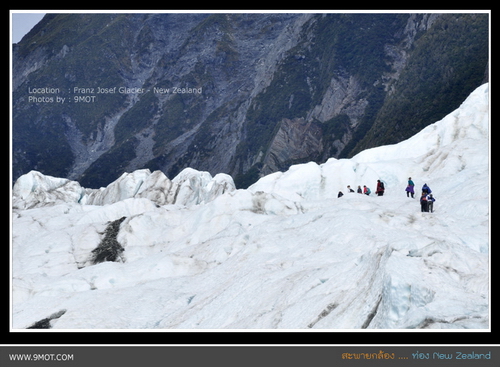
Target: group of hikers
x=426, y=199
x=366, y=190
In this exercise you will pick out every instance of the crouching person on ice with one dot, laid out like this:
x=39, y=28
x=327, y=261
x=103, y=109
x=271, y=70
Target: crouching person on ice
x=366, y=190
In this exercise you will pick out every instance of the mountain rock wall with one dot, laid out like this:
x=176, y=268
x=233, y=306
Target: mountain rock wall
x=97, y=95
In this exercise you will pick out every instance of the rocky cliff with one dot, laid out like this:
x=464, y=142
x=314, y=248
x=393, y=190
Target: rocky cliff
x=96, y=95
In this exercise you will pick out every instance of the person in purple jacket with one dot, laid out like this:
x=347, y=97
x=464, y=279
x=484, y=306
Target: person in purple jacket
x=410, y=188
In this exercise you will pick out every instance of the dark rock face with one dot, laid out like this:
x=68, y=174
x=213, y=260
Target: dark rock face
x=96, y=95
x=296, y=141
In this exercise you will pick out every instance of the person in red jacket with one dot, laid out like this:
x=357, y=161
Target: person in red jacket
x=380, y=188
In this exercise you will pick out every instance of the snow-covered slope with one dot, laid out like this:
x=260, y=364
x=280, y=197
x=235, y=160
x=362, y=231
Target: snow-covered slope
x=284, y=254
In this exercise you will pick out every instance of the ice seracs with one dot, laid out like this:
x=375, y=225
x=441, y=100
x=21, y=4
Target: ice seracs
x=190, y=187
x=284, y=254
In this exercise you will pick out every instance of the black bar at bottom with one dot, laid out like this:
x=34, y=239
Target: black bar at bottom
x=261, y=356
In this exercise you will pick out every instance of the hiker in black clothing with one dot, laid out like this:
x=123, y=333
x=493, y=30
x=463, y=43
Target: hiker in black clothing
x=424, y=207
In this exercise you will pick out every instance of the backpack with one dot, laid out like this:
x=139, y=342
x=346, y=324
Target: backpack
x=368, y=191
x=382, y=185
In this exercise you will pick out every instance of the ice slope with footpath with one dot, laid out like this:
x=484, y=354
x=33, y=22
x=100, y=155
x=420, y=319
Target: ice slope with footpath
x=285, y=253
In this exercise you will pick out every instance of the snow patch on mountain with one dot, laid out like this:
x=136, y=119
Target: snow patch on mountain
x=284, y=254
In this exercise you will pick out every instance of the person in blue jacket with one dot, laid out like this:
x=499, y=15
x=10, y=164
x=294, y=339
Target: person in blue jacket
x=426, y=189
